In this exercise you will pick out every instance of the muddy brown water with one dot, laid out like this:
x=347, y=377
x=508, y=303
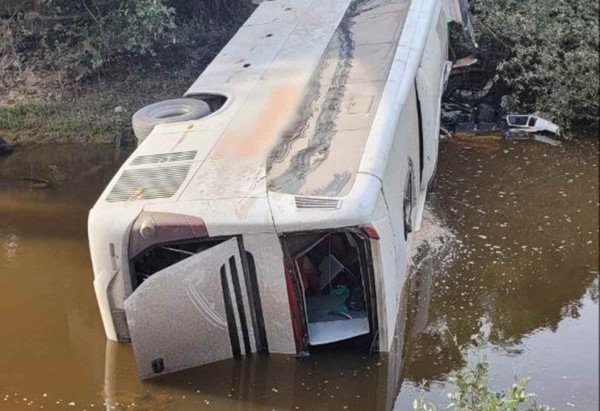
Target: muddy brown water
x=519, y=261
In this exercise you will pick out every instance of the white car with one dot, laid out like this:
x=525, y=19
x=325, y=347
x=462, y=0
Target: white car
x=531, y=124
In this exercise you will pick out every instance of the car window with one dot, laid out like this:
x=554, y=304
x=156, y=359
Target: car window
x=532, y=121
x=518, y=120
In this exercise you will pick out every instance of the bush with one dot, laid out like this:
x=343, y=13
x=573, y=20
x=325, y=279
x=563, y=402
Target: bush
x=474, y=392
x=85, y=36
x=97, y=37
x=211, y=9
x=546, y=55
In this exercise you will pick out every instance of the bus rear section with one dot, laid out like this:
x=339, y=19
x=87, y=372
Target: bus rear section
x=201, y=300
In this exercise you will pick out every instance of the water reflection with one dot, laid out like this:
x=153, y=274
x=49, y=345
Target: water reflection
x=10, y=245
x=339, y=380
x=526, y=217
x=521, y=256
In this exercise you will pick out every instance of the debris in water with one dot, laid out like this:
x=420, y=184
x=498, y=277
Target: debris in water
x=544, y=139
x=36, y=183
x=5, y=148
x=465, y=62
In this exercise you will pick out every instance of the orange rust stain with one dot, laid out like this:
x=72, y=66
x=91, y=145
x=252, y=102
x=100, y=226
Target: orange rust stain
x=243, y=206
x=249, y=141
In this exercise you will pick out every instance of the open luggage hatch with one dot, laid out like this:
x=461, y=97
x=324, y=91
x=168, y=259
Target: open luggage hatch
x=193, y=312
x=334, y=282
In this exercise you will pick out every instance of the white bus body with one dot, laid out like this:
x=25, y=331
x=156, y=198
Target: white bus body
x=283, y=220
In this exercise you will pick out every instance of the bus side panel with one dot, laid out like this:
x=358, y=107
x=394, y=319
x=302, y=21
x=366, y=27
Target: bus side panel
x=400, y=190
x=431, y=78
x=384, y=269
x=402, y=174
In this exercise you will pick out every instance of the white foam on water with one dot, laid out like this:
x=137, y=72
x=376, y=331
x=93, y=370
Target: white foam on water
x=432, y=240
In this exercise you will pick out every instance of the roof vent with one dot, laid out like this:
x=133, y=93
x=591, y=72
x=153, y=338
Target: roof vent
x=164, y=158
x=317, y=203
x=148, y=183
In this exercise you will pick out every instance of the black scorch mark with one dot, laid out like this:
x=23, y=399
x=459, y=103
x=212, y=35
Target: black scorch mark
x=316, y=151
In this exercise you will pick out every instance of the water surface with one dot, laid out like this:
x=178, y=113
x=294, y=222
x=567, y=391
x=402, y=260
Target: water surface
x=525, y=271
x=521, y=262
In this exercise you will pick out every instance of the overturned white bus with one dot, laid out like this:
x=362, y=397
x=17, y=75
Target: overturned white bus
x=281, y=217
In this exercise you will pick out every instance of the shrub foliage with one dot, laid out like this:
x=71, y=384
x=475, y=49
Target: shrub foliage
x=474, y=392
x=546, y=55
x=84, y=36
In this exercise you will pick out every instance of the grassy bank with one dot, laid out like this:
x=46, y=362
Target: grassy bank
x=73, y=74
x=100, y=112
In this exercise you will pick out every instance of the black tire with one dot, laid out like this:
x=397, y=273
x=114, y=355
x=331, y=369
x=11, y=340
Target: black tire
x=168, y=111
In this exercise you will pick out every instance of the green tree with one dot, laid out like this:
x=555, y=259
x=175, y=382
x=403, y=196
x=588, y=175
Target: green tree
x=546, y=55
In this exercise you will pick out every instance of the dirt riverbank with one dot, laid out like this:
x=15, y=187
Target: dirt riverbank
x=98, y=111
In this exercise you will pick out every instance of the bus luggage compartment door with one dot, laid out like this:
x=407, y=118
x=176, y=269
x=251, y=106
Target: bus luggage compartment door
x=192, y=313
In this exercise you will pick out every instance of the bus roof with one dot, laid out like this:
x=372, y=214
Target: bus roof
x=313, y=90
x=303, y=80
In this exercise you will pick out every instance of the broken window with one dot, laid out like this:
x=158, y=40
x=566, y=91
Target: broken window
x=162, y=256
x=334, y=282
x=520, y=121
